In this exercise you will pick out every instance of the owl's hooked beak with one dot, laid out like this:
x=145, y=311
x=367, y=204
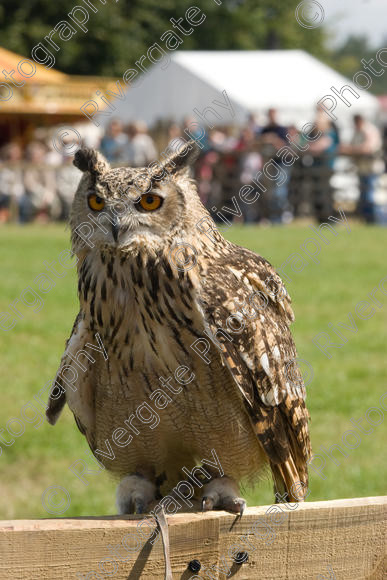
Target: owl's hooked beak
x=115, y=229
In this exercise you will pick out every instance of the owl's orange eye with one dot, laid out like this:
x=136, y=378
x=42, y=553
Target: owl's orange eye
x=96, y=203
x=150, y=201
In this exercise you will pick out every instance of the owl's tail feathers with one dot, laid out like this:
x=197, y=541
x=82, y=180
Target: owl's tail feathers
x=287, y=448
x=289, y=484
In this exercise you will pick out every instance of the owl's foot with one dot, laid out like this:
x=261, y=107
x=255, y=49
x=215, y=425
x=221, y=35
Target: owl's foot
x=134, y=494
x=222, y=493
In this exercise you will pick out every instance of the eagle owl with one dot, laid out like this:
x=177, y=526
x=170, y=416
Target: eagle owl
x=153, y=317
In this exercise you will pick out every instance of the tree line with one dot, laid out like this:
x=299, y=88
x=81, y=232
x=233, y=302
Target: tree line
x=119, y=32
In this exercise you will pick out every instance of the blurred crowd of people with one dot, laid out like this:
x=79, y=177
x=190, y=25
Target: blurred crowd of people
x=132, y=146
x=38, y=183
x=256, y=144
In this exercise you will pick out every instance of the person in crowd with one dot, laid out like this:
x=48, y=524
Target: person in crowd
x=196, y=131
x=324, y=149
x=141, y=149
x=218, y=139
x=318, y=165
x=274, y=133
x=11, y=180
x=40, y=200
x=253, y=124
x=54, y=157
x=175, y=137
x=246, y=140
x=250, y=162
x=273, y=137
x=114, y=143
x=223, y=139
x=366, y=149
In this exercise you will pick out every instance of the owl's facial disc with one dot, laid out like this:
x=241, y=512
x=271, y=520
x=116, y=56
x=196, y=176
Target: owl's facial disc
x=121, y=221
x=122, y=207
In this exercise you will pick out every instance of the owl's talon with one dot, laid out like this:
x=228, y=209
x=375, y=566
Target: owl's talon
x=207, y=504
x=234, y=504
x=242, y=508
x=139, y=506
x=222, y=493
x=134, y=494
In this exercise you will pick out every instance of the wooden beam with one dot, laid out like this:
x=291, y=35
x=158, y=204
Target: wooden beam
x=343, y=539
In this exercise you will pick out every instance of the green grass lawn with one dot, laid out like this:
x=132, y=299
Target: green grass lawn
x=344, y=387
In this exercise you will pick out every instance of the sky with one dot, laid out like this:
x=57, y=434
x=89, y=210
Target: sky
x=367, y=17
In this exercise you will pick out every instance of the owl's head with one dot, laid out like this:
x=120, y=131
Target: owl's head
x=122, y=207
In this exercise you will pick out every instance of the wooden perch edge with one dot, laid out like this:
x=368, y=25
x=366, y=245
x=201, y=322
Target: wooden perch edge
x=342, y=539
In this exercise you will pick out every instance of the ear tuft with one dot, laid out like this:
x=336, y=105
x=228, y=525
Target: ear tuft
x=183, y=156
x=90, y=160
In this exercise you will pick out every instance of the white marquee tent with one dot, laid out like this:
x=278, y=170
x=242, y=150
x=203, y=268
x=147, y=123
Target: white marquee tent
x=290, y=80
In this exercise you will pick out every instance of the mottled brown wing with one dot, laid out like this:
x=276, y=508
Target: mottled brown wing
x=80, y=400
x=242, y=295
